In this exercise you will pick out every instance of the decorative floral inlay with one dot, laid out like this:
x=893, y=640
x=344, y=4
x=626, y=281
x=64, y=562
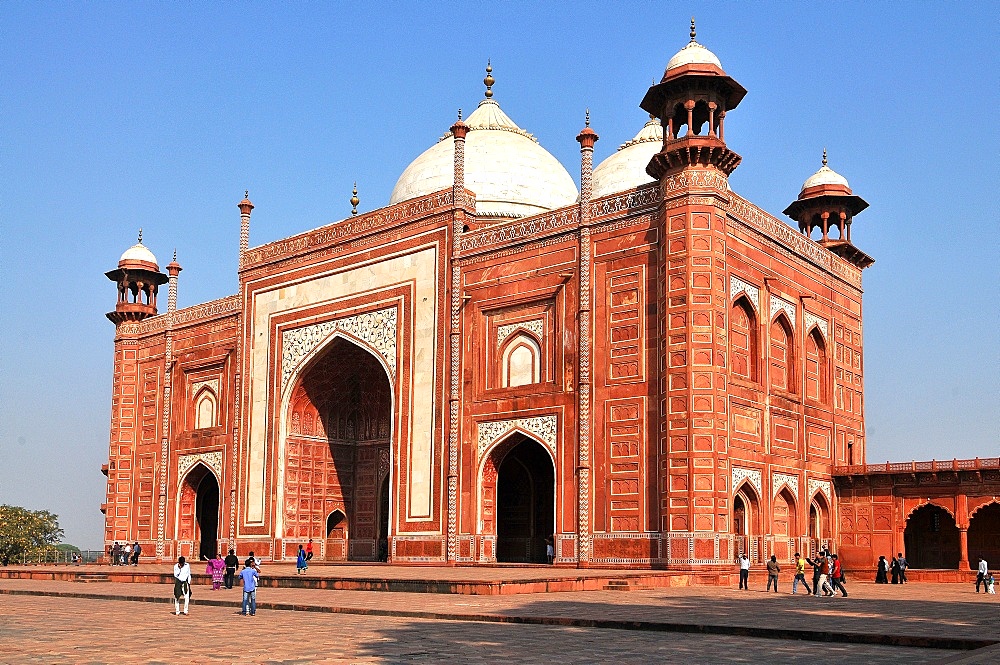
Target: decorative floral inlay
x=778, y=304
x=377, y=328
x=823, y=485
x=751, y=475
x=212, y=460
x=737, y=286
x=544, y=427
x=810, y=319
x=778, y=479
x=210, y=383
x=537, y=326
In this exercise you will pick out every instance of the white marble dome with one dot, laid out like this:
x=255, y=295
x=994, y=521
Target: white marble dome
x=693, y=54
x=626, y=168
x=825, y=176
x=138, y=252
x=510, y=173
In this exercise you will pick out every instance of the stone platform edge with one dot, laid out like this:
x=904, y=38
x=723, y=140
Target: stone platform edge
x=567, y=583
x=947, y=643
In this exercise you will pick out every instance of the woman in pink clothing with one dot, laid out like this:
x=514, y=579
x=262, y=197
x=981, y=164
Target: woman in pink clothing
x=217, y=569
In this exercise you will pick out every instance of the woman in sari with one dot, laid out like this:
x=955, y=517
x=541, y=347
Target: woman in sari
x=217, y=569
x=882, y=567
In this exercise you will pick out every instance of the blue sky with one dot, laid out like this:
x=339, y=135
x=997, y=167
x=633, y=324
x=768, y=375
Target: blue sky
x=159, y=115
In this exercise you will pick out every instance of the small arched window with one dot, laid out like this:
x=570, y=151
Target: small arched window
x=743, y=340
x=204, y=410
x=782, y=359
x=815, y=367
x=521, y=362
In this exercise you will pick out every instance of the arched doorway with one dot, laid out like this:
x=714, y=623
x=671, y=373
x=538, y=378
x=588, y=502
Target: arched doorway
x=931, y=539
x=984, y=535
x=783, y=524
x=819, y=523
x=746, y=521
x=199, y=512
x=524, y=505
x=337, y=454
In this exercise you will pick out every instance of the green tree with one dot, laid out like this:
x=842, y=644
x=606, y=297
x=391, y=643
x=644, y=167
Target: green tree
x=24, y=531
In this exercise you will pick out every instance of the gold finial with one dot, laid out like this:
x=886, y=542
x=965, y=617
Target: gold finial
x=355, y=200
x=140, y=235
x=489, y=80
x=693, y=32
x=824, y=156
x=587, y=118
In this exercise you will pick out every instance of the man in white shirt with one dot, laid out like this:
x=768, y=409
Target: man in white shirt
x=982, y=573
x=744, y=571
x=182, y=585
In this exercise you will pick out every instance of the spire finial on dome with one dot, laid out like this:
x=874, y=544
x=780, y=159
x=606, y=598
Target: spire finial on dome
x=693, y=31
x=175, y=253
x=354, y=199
x=246, y=193
x=140, y=235
x=824, y=156
x=587, y=118
x=489, y=80
x=459, y=114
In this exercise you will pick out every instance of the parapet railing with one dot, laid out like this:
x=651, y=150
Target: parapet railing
x=916, y=467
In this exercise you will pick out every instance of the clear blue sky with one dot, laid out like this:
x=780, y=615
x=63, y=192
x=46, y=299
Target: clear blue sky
x=159, y=115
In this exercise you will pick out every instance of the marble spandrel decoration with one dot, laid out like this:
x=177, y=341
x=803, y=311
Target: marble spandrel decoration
x=751, y=475
x=213, y=460
x=543, y=427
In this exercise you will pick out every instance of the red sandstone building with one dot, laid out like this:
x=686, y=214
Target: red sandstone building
x=652, y=370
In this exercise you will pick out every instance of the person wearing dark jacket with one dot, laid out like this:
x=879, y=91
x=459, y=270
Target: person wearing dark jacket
x=817, y=566
x=232, y=562
x=772, y=573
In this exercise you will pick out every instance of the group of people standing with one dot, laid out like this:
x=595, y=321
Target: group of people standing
x=896, y=567
x=828, y=574
x=124, y=554
x=222, y=571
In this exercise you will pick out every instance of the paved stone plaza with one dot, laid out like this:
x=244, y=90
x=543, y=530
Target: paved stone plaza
x=74, y=622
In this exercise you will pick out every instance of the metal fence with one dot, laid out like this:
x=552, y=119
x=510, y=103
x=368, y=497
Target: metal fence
x=52, y=555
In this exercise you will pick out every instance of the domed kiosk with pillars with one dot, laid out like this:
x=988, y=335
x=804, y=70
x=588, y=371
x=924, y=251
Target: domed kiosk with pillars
x=649, y=371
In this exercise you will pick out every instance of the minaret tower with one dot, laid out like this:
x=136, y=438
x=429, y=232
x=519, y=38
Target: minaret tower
x=691, y=101
x=692, y=167
x=138, y=278
x=826, y=202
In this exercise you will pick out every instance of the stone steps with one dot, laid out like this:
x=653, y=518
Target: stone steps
x=92, y=577
x=625, y=585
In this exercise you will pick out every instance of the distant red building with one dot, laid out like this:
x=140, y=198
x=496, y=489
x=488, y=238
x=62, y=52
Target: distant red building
x=652, y=371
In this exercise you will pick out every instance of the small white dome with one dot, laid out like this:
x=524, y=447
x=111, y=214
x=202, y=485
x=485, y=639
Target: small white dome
x=825, y=176
x=510, y=173
x=693, y=54
x=626, y=168
x=139, y=252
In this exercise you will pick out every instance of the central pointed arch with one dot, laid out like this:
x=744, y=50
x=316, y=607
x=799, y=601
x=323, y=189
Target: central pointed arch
x=336, y=452
x=198, y=506
x=518, y=498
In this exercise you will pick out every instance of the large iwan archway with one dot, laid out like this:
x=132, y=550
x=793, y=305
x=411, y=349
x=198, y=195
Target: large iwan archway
x=199, y=512
x=984, y=535
x=337, y=455
x=519, y=499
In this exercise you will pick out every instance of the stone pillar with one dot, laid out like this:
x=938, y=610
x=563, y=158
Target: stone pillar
x=245, y=208
x=173, y=270
x=587, y=139
x=963, y=549
x=458, y=130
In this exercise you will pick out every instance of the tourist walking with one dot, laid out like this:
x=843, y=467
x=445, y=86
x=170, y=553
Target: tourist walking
x=881, y=570
x=990, y=588
x=136, y=551
x=300, y=561
x=816, y=566
x=182, y=585
x=309, y=550
x=217, y=569
x=981, y=572
x=232, y=563
x=894, y=570
x=744, y=563
x=249, y=576
x=116, y=553
x=772, y=573
x=837, y=577
x=800, y=574
x=550, y=552
x=126, y=554
x=901, y=560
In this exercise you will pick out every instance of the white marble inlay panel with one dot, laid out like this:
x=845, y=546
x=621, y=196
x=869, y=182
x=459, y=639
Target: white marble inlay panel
x=543, y=427
x=377, y=328
x=536, y=326
x=822, y=485
x=791, y=480
x=751, y=475
x=778, y=304
x=809, y=319
x=737, y=286
x=213, y=460
x=211, y=383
